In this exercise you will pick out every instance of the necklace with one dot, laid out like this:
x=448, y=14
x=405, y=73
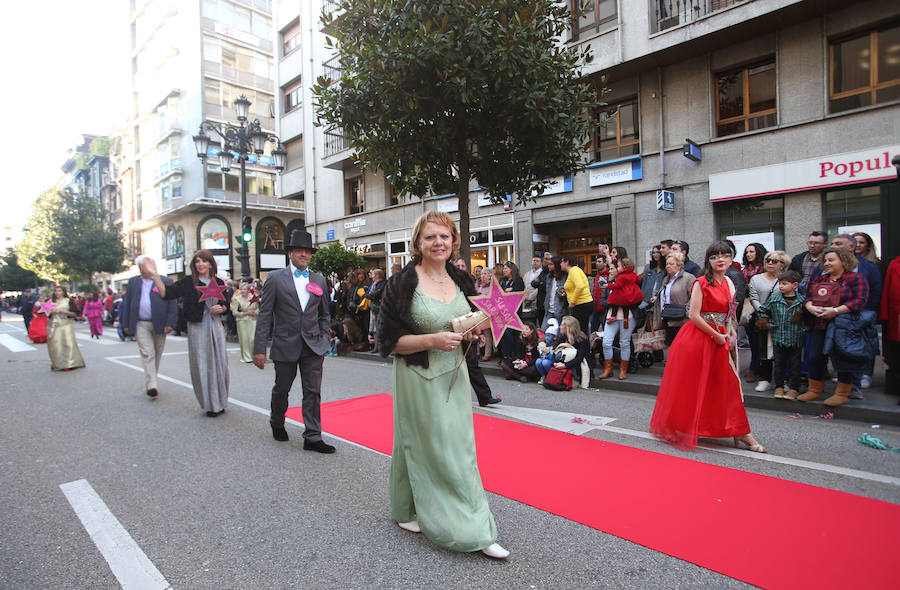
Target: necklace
x=440, y=282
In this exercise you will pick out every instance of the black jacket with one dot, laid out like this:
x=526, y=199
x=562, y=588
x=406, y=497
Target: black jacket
x=192, y=309
x=394, y=318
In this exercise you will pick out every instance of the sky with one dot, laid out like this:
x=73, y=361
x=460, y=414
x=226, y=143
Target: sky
x=66, y=71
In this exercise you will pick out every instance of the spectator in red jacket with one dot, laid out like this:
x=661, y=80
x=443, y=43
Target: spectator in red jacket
x=890, y=314
x=623, y=293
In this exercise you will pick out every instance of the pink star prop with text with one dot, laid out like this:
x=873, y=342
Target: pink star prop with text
x=212, y=291
x=501, y=307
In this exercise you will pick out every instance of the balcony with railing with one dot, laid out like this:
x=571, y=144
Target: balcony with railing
x=335, y=141
x=332, y=69
x=672, y=13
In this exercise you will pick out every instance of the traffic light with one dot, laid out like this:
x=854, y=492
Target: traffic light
x=247, y=231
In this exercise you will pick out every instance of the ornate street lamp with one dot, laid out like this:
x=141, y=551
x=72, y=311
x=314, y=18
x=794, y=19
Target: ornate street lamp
x=242, y=139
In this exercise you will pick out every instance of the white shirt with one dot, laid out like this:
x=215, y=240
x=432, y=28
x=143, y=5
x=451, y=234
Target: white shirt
x=300, y=284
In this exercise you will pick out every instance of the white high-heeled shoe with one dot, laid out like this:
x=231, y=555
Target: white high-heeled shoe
x=411, y=526
x=496, y=551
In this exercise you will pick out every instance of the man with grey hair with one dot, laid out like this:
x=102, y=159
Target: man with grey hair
x=147, y=317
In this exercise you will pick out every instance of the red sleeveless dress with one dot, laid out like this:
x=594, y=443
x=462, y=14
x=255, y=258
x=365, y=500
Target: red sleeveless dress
x=700, y=394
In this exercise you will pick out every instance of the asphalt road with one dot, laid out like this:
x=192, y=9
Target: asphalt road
x=217, y=503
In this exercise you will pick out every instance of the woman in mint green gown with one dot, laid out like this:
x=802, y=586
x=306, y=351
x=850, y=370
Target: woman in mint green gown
x=435, y=485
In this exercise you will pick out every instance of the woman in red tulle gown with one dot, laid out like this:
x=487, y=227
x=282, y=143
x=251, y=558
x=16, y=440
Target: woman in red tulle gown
x=37, y=329
x=700, y=394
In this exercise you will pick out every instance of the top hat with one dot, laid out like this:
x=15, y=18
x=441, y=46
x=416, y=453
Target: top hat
x=300, y=238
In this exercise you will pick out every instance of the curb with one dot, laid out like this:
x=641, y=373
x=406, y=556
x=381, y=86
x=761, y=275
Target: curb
x=752, y=399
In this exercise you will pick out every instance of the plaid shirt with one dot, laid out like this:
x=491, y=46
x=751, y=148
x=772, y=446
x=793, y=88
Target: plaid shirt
x=854, y=290
x=786, y=333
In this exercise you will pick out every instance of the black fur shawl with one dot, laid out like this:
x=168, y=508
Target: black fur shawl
x=394, y=318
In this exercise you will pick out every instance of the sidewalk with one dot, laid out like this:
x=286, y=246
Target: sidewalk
x=877, y=408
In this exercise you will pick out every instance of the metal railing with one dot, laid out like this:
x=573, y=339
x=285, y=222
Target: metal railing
x=332, y=69
x=335, y=141
x=671, y=13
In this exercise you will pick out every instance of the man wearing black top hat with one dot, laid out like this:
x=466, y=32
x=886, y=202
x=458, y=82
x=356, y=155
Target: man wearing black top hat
x=294, y=310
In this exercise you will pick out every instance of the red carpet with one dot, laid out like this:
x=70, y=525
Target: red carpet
x=759, y=529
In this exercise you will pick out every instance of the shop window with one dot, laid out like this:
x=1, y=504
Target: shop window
x=745, y=99
x=865, y=69
x=232, y=182
x=478, y=237
x=854, y=209
x=179, y=240
x=620, y=137
x=355, y=203
x=270, y=235
x=171, y=247
x=397, y=248
x=750, y=216
x=591, y=14
x=504, y=234
x=584, y=248
x=214, y=234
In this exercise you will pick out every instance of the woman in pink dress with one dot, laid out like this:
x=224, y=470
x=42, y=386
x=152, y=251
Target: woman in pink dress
x=700, y=394
x=93, y=311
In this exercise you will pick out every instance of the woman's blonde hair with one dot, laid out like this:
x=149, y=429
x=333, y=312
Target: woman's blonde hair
x=779, y=255
x=677, y=258
x=439, y=218
x=574, y=334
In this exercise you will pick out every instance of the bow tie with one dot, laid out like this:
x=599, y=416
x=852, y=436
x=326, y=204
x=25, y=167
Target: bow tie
x=301, y=273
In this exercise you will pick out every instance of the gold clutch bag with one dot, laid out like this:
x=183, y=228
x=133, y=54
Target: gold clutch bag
x=470, y=321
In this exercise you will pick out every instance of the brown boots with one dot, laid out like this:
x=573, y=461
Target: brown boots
x=607, y=369
x=623, y=369
x=841, y=395
x=814, y=392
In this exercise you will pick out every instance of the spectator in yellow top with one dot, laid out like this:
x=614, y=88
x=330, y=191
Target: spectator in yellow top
x=578, y=292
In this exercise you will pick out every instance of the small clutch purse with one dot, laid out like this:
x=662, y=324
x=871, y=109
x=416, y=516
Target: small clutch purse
x=470, y=321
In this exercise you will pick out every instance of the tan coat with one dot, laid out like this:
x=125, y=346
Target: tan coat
x=681, y=293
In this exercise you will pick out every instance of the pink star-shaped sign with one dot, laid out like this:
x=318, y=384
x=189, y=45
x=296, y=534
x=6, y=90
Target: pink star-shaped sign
x=47, y=307
x=212, y=291
x=501, y=307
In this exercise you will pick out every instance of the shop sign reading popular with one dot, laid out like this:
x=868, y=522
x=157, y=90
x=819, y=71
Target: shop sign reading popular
x=840, y=169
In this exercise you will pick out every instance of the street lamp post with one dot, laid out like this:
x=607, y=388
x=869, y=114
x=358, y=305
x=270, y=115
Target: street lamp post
x=243, y=138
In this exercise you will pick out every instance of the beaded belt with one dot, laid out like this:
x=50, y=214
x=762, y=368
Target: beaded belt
x=714, y=318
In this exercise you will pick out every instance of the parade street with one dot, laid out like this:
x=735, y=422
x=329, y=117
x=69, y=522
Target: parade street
x=104, y=487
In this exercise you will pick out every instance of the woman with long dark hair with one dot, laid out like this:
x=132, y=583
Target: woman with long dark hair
x=522, y=365
x=555, y=301
x=207, y=357
x=753, y=259
x=512, y=281
x=700, y=394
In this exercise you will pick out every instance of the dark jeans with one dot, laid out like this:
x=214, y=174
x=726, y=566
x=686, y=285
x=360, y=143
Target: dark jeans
x=818, y=359
x=787, y=356
x=582, y=313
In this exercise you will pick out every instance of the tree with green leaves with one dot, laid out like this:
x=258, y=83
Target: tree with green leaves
x=437, y=94
x=70, y=236
x=335, y=259
x=12, y=276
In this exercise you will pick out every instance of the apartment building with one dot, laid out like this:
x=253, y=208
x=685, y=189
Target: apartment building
x=190, y=61
x=759, y=120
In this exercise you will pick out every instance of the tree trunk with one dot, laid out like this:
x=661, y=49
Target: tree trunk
x=462, y=198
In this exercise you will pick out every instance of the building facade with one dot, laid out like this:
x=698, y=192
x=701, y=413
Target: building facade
x=758, y=120
x=190, y=62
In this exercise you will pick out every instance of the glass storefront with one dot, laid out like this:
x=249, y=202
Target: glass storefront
x=751, y=216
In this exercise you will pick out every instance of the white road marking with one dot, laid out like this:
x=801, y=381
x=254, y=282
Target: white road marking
x=128, y=563
x=8, y=327
x=878, y=477
x=14, y=345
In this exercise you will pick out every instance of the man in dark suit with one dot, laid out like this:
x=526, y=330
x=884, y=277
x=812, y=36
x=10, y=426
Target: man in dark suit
x=26, y=307
x=294, y=310
x=147, y=317
x=689, y=265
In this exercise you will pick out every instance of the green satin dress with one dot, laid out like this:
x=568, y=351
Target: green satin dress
x=434, y=473
x=61, y=343
x=246, y=324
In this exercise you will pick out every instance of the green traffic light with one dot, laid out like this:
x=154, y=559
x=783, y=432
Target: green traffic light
x=247, y=237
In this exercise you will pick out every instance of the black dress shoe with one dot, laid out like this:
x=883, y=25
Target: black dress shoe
x=215, y=414
x=490, y=400
x=279, y=433
x=319, y=446
x=152, y=392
